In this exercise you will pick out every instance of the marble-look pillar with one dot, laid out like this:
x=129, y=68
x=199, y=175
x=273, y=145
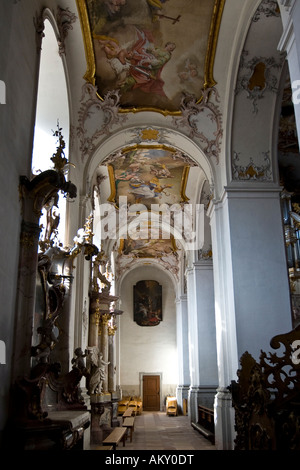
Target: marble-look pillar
x=94, y=325
x=104, y=347
x=112, y=384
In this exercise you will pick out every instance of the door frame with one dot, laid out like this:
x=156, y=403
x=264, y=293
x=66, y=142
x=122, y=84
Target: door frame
x=160, y=375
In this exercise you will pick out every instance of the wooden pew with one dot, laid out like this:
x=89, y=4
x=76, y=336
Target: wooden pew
x=133, y=405
x=129, y=423
x=205, y=423
x=115, y=437
x=127, y=413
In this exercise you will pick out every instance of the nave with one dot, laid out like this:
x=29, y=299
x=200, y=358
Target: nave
x=158, y=431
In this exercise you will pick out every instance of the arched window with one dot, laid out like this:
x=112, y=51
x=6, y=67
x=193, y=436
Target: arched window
x=52, y=110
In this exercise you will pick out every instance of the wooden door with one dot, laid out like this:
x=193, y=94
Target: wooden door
x=151, y=392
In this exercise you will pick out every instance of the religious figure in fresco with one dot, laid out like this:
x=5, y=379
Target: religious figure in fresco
x=143, y=62
x=150, y=51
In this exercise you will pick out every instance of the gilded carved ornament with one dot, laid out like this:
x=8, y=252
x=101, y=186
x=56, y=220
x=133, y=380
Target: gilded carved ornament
x=95, y=27
x=252, y=171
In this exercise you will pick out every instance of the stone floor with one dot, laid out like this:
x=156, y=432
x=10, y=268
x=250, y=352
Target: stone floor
x=157, y=431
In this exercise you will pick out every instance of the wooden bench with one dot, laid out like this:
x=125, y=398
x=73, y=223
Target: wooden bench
x=115, y=437
x=127, y=413
x=104, y=448
x=133, y=405
x=129, y=423
x=205, y=423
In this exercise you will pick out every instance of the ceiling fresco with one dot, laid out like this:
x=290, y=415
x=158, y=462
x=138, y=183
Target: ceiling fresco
x=148, y=175
x=148, y=179
x=148, y=248
x=151, y=51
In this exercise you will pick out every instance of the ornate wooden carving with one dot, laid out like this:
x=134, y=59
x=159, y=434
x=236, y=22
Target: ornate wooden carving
x=266, y=397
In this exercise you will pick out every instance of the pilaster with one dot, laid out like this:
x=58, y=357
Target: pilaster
x=252, y=300
x=182, y=350
x=202, y=339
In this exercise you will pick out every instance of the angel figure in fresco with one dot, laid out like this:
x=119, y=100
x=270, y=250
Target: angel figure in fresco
x=149, y=190
x=161, y=171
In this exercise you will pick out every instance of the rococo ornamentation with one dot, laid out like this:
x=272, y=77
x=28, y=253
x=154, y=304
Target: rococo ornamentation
x=252, y=171
x=105, y=112
x=194, y=115
x=258, y=76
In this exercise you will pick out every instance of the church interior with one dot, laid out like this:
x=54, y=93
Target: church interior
x=150, y=221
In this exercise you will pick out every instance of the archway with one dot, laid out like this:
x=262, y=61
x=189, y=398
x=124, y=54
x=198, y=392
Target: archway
x=52, y=112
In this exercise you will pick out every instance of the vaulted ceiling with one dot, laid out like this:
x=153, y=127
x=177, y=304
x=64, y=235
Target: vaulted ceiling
x=161, y=91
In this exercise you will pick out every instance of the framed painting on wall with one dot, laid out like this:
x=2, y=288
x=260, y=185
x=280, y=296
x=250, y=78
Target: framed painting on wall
x=147, y=303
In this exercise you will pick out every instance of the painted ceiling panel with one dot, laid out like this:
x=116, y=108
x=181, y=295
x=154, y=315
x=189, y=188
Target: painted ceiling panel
x=148, y=176
x=152, y=51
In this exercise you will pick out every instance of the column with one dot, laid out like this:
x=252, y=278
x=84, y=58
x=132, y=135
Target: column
x=182, y=351
x=28, y=261
x=112, y=384
x=104, y=347
x=252, y=302
x=94, y=324
x=202, y=339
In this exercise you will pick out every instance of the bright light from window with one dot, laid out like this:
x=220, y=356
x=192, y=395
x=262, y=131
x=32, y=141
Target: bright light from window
x=52, y=109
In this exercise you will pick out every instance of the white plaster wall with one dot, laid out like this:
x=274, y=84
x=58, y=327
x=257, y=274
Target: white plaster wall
x=148, y=349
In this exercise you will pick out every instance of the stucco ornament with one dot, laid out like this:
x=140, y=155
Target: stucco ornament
x=202, y=119
x=96, y=117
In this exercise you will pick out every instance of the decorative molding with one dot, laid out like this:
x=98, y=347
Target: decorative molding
x=39, y=25
x=265, y=397
x=65, y=18
x=269, y=8
x=149, y=134
x=252, y=171
x=205, y=255
x=288, y=4
x=193, y=116
x=256, y=77
x=103, y=112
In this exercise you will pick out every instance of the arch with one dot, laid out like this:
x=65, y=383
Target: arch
x=53, y=106
x=257, y=79
x=172, y=138
x=137, y=265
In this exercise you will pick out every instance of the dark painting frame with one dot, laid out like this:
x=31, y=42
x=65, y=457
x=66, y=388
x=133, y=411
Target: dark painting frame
x=147, y=303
